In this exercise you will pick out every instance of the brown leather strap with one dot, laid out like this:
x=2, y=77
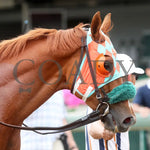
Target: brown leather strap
x=79, y=64
x=94, y=116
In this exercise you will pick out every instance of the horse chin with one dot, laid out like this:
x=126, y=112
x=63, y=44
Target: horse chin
x=109, y=123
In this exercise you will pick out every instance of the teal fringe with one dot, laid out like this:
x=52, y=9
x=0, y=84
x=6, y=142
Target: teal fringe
x=122, y=92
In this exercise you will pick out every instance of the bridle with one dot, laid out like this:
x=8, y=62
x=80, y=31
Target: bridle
x=101, y=110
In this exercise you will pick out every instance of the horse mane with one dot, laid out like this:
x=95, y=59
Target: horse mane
x=65, y=41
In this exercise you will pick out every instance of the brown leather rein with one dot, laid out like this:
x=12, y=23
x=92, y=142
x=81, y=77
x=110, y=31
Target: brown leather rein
x=101, y=111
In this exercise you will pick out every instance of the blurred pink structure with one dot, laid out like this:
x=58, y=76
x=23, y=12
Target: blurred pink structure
x=71, y=100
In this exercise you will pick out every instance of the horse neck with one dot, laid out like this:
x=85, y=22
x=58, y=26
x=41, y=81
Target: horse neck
x=71, y=67
x=25, y=81
x=53, y=75
x=26, y=86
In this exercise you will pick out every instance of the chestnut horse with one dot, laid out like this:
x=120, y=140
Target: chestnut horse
x=37, y=64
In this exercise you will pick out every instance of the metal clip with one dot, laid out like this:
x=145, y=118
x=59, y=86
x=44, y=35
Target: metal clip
x=106, y=111
x=98, y=97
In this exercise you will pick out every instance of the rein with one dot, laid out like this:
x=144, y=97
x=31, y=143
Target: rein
x=94, y=116
x=101, y=110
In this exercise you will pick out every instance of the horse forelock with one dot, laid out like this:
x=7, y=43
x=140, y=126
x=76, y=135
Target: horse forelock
x=59, y=42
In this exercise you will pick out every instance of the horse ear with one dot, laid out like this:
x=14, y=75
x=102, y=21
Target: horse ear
x=106, y=25
x=95, y=26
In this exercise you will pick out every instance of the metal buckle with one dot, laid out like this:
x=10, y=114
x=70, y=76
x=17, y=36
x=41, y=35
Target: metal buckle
x=106, y=111
x=98, y=97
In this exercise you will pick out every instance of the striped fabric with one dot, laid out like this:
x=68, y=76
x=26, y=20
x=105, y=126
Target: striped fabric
x=119, y=142
x=51, y=113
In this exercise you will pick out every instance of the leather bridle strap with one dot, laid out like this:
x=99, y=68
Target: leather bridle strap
x=79, y=64
x=101, y=99
x=94, y=116
x=98, y=95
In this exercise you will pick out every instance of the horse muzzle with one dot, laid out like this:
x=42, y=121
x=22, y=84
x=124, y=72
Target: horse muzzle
x=112, y=124
x=125, y=124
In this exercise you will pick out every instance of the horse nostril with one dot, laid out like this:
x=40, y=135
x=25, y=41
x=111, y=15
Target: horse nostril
x=126, y=123
x=127, y=120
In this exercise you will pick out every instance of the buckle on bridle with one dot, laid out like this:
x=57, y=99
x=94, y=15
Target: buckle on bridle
x=105, y=110
x=98, y=96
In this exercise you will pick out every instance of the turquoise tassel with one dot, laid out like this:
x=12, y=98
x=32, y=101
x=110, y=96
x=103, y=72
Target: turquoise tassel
x=122, y=92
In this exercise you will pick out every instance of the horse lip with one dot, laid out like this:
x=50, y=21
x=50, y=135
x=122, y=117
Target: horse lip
x=116, y=126
x=108, y=122
x=122, y=129
x=114, y=121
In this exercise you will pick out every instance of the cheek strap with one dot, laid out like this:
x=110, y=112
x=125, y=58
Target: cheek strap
x=122, y=92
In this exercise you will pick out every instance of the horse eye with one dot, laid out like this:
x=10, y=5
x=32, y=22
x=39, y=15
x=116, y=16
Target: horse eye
x=108, y=66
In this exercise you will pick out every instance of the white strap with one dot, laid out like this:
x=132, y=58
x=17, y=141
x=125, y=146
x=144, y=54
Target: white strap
x=88, y=91
x=76, y=85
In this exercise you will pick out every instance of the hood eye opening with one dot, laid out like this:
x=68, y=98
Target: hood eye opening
x=104, y=65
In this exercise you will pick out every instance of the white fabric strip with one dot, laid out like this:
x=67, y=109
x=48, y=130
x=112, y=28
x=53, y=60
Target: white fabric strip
x=88, y=91
x=76, y=85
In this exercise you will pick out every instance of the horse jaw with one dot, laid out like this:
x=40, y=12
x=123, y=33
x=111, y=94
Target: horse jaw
x=120, y=118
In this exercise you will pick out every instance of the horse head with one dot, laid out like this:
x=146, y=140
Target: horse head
x=112, y=78
x=36, y=65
